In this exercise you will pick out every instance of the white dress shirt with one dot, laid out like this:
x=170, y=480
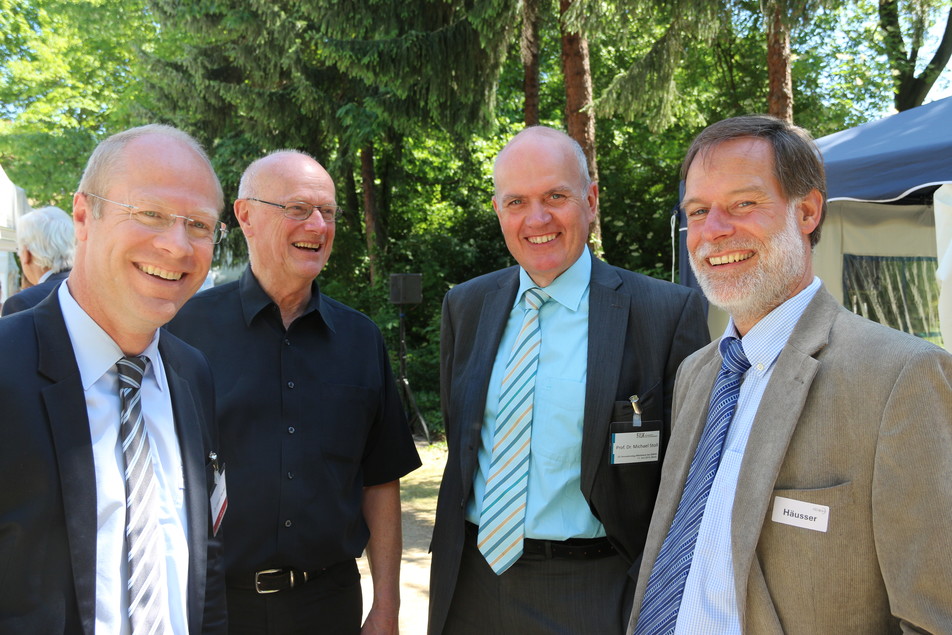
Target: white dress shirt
x=96, y=355
x=709, y=602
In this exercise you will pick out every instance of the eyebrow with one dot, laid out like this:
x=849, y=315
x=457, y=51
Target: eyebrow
x=558, y=188
x=734, y=192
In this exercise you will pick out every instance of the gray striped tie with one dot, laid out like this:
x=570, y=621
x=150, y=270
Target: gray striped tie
x=148, y=596
x=503, y=514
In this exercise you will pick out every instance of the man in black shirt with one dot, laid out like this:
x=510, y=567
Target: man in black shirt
x=314, y=437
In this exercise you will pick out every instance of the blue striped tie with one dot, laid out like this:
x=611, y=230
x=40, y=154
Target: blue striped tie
x=148, y=603
x=659, y=609
x=503, y=514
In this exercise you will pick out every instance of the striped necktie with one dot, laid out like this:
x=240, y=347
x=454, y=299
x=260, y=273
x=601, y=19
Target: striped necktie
x=148, y=596
x=503, y=513
x=659, y=609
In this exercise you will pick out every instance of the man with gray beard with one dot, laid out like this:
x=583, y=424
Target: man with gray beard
x=805, y=486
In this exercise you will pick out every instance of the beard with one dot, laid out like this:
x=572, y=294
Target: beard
x=749, y=297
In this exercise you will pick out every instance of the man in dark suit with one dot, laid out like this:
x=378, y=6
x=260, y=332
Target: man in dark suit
x=146, y=219
x=45, y=244
x=598, y=412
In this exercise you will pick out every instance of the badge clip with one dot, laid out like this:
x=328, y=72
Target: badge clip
x=636, y=417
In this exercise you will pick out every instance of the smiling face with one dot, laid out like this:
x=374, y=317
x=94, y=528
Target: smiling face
x=129, y=278
x=543, y=204
x=286, y=254
x=748, y=244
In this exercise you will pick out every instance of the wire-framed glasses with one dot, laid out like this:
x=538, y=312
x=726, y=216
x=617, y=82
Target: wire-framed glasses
x=198, y=227
x=299, y=210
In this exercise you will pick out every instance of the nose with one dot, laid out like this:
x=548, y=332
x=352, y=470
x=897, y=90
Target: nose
x=538, y=214
x=717, y=224
x=315, y=222
x=175, y=239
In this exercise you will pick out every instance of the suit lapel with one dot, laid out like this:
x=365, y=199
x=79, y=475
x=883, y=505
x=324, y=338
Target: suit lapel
x=189, y=435
x=497, y=305
x=69, y=427
x=607, y=326
x=774, y=425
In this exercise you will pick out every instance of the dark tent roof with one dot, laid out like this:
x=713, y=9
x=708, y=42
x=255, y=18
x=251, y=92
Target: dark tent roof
x=888, y=159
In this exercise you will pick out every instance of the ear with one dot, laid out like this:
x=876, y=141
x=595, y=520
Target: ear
x=243, y=215
x=82, y=216
x=26, y=256
x=591, y=197
x=496, y=209
x=810, y=212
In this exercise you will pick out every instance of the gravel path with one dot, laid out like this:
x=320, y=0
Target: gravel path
x=418, y=492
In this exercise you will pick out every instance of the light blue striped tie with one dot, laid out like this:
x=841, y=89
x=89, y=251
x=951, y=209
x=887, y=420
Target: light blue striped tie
x=659, y=609
x=148, y=600
x=503, y=514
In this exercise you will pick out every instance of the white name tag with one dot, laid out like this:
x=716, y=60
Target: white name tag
x=219, y=501
x=800, y=514
x=635, y=447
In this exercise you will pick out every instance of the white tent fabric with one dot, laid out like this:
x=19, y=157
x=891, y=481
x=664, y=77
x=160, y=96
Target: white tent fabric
x=943, y=237
x=13, y=204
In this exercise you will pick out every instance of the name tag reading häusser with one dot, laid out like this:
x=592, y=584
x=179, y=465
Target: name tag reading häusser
x=635, y=447
x=800, y=514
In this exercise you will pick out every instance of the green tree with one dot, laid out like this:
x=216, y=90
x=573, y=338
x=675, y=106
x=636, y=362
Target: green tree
x=916, y=16
x=67, y=78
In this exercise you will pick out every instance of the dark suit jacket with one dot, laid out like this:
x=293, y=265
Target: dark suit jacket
x=48, y=497
x=639, y=331
x=32, y=296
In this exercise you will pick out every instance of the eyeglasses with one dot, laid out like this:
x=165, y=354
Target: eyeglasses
x=298, y=210
x=197, y=227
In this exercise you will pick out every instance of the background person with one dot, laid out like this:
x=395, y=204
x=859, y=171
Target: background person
x=45, y=245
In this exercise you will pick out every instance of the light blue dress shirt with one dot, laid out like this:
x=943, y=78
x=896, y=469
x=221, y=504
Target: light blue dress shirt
x=555, y=507
x=709, y=603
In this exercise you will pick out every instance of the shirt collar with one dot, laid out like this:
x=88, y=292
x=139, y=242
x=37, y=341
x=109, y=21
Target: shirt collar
x=97, y=353
x=764, y=341
x=45, y=276
x=254, y=299
x=568, y=288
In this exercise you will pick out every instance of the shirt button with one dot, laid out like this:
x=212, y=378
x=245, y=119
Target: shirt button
x=290, y=429
x=760, y=367
x=290, y=475
x=290, y=384
x=287, y=342
x=287, y=523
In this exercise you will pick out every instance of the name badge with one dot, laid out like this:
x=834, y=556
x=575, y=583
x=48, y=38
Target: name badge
x=800, y=514
x=219, y=500
x=635, y=447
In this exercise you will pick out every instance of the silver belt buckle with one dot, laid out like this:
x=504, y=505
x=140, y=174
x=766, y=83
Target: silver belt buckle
x=258, y=574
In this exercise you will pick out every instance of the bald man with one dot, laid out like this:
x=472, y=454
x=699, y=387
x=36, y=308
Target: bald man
x=314, y=436
x=550, y=549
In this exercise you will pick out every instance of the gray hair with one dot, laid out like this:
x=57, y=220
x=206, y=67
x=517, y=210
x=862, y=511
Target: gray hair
x=48, y=234
x=584, y=178
x=249, y=184
x=105, y=161
x=798, y=164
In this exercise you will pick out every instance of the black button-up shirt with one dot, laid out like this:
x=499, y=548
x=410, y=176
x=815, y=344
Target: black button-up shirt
x=307, y=417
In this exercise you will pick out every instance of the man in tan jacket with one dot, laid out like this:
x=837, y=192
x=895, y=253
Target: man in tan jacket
x=825, y=505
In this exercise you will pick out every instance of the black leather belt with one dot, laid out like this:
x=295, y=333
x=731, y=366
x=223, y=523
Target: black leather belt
x=270, y=580
x=579, y=548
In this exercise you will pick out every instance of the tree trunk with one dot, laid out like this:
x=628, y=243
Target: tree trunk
x=370, y=206
x=780, y=94
x=529, y=48
x=579, y=114
x=910, y=90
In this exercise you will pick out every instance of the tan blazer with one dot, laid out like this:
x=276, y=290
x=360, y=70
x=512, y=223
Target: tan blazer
x=856, y=417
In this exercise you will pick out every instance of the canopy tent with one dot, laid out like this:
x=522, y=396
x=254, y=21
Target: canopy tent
x=13, y=204
x=889, y=191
